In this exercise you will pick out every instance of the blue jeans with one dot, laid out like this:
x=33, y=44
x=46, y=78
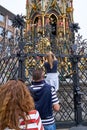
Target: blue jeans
x=50, y=127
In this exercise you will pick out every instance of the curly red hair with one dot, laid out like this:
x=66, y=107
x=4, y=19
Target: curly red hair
x=15, y=103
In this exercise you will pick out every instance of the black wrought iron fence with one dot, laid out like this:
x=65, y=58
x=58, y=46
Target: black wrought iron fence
x=72, y=82
x=8, y=68
x=72, y=68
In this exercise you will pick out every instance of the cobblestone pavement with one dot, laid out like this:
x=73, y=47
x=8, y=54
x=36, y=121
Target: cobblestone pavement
x=76, y=128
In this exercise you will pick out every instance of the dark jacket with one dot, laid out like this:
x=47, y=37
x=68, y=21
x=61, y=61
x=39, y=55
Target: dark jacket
x=42, y=98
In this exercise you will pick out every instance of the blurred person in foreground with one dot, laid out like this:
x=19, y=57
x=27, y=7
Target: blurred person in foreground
x=52, y=75
x=17, y=109
x=45, y=99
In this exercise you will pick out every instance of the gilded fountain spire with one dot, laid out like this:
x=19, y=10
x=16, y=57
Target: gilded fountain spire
x=50, y=18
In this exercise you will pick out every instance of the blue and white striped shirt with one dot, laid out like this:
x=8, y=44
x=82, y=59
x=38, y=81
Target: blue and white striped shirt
x=49, y=120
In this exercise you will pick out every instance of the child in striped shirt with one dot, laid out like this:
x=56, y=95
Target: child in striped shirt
x=45, y=99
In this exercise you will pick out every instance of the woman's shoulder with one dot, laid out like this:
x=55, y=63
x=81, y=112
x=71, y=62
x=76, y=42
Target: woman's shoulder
x=33, y=112
x=46, y=63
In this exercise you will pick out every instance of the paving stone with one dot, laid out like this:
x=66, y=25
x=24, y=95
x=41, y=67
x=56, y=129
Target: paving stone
x=78, y=128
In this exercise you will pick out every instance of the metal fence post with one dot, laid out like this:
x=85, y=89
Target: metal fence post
x=76, y=87
x=77, y=93
x=21, y=56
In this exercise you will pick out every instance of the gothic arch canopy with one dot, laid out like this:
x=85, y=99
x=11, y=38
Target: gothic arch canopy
x=54, y=12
